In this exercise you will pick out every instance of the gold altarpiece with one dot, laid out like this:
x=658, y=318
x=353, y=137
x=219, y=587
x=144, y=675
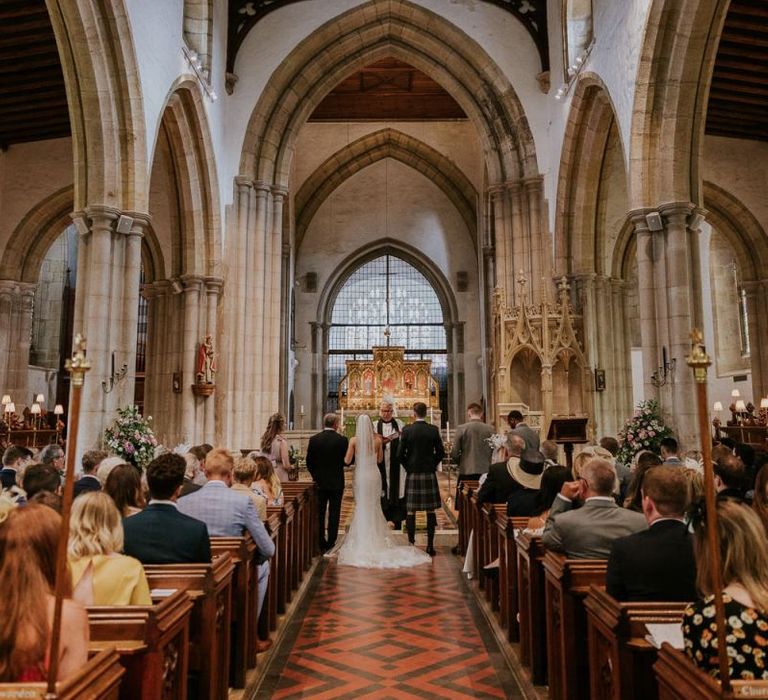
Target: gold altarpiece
x=389, y=376
x=538, y=364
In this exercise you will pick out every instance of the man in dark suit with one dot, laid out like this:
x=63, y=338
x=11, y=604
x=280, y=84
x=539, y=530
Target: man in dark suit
x=325, y=461
x=160, y=534
x=420, y=451
x=89, y=482
x=15, y=458
x=730, y=476
x=392, y=473
x=658, y=563
x=500, y=482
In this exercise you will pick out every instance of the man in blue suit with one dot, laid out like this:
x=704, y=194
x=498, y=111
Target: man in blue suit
x=160, y=534
x=229, y=513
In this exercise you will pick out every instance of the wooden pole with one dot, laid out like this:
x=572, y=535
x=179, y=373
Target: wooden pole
x=699, y=361
x=77, y=367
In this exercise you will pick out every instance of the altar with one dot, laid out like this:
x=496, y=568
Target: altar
x=388, y=376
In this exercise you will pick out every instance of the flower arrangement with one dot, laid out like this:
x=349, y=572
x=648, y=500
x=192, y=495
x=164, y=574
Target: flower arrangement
x=131, y=438
x=497, y=441
x=644, y=431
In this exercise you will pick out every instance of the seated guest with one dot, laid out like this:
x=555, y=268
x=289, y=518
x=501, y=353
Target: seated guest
x=193, y=469
x=549, y=450
x=744, y=571
x=528, y=473
x=100, y=574
x=106, y=466
x=611, y=445
x=229, y=513
x=41, y=477
x=89, y=481
x=46, y=498
x=124, y=487
x=500, y=482
x=760, y=498
x=729, y=478
x=243, y=476
x=160, y=534
x=644, y=461
x=28, y=542
x=657, y=563
x=15, y=458
x=265, y=481
x=668, y=448
x=552, y=481
x=53, y=455
x=587, y=533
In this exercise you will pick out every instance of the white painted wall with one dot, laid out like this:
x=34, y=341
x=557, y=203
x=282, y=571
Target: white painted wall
x=386, y=200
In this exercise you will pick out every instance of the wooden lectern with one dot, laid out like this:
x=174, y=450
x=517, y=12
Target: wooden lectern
x=568, y=432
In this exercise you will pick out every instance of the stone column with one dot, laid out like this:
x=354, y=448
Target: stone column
x=622, y=375
x=16, y=305
x=258, y=301
x=213, y=286
x=191, y=337
x=276, y=304
x=502, y=244
x=319, y=389
x=757, y=315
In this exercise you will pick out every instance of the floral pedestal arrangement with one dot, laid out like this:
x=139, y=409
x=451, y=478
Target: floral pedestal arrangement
x=131, y=437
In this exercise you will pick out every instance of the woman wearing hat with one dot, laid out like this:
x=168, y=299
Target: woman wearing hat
x=521, y=471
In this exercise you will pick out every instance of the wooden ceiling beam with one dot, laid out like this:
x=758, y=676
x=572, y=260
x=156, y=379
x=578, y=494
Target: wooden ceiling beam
x=39, y=97
x=734, y=97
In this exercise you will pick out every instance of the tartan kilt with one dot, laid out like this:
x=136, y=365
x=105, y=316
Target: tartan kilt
x=421, y=492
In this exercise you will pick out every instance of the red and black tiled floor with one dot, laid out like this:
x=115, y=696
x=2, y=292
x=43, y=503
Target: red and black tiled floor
x=406, y=633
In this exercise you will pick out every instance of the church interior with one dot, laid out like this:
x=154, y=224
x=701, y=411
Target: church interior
x=307, y=207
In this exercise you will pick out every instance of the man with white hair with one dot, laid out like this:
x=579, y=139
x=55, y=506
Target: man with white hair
x=587, y=533
x=392, y=473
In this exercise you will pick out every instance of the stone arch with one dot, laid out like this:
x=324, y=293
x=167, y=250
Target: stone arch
x=732, y=219
x=41, y=225
x=105, y=103
x=368, y=33
x=369, y=149
x=579, y=241
x=413, y=256
x=185, y=126
x=671, y=94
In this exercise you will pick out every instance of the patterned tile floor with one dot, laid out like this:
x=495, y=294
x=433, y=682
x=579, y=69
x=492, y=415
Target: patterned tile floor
x=408, y=633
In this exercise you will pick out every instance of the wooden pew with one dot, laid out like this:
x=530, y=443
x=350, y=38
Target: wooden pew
x=275, y=599
x=679, y=679
x=245, y=618
x=465, y=513
x=476, y=522
x=306, y=504
x=532, y=605
x=567, y=582
x=210, y=588
x=620, y=658
x=153, y=644
x=506, y=549
x=99, y=679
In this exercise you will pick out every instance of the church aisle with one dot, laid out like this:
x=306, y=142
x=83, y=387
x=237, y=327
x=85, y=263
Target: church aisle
x=408, y=633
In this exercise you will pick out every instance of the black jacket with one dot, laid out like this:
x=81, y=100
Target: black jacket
x=421, y=448
x=160, y=534
x=7, y=477
x=498, y=486
x=86, y=484
x=325, y=459
x=655, y=564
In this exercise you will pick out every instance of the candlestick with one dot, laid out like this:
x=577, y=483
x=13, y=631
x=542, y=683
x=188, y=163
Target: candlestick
x=447, y=431
x=301, y=409
x=431, y=416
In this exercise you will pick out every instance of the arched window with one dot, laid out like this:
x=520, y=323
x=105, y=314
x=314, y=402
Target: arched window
x=386, y=301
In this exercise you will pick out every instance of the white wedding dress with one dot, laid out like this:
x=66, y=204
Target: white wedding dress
x=370, y=543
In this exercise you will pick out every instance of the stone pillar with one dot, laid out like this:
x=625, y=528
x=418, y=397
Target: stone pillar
x=757, y=315
x=191, y=337
x=16, y=305
x=260, y=240
x=276, y=304
x=318, y=341
x=622, y=375
x=109, y=258
x=213, y=287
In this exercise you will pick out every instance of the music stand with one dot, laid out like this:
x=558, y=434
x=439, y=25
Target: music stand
x=568, y=432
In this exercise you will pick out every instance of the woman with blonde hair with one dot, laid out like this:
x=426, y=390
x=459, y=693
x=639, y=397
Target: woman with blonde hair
x=265, y=481
x=242, y=477
x=28, y=541
x=275, y=447
x=744, y=574
x=102, y=576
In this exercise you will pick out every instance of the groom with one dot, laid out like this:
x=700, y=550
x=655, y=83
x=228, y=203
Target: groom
x=392, y=474
x=421, y=450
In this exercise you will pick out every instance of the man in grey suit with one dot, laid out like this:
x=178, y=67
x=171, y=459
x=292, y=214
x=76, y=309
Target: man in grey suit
x=230, y=513
x=471, y=450
x=519, y=426
x=587, y=533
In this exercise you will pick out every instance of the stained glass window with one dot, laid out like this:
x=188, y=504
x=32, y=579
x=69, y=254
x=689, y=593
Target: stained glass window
x=386, y=301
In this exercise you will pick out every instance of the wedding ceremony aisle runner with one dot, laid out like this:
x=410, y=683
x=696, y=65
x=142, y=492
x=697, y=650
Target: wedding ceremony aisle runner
x=403, y=633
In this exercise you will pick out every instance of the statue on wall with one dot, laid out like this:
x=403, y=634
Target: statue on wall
x=206, y=362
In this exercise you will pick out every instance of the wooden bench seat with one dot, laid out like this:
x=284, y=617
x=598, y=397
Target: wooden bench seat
x=274, y=602
x=99, y=679
x=209, y=586
x=567, y=582
x=532, y=605
x=465, y=513
x=244, y=604
x=153, y=644
x=506, y=550
x=620, y=658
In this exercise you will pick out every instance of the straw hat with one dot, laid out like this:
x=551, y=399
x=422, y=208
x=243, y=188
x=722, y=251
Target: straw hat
x=527, y=470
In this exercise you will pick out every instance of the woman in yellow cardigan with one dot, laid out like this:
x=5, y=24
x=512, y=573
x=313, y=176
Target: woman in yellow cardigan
x=100, y=574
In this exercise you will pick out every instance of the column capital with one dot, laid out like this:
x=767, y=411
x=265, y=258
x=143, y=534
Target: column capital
x=243, y=183
x=534, y=183
x=488, y=251
x=192, y=283
x=261, y=187
x=213, y=285
x=279, y=193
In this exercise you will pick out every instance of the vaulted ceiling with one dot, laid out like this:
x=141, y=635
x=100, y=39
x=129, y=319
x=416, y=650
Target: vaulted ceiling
x=33, y=99
x=738, y=98
x=387, y=89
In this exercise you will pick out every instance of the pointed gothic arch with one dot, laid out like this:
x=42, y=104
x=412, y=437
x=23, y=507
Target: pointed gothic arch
x=371, y=148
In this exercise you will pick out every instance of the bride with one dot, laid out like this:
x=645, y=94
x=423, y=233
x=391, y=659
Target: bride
x=369, y=542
